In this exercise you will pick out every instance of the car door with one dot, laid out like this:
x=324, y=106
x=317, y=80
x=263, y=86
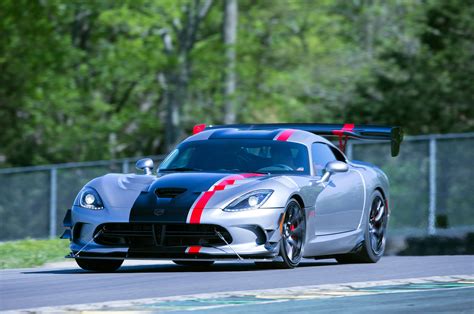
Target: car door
x=340, y=203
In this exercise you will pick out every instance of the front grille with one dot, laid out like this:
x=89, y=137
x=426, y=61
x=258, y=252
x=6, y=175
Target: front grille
x=169, y=192
x=138, y=235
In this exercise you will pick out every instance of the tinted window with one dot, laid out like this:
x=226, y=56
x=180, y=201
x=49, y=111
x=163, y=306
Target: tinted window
x=239, y=155
x=322, y=154
x=338, y=154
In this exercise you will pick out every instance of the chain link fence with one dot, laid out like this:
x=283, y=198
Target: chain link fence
x=431, y=187
x=34, y=200
x=432, y=190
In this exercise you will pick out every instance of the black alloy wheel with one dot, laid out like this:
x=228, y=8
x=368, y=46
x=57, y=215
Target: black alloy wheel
x=293, y=234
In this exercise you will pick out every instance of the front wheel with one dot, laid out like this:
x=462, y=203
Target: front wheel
x=293, y=235
x=99, y=265
x=373, y=246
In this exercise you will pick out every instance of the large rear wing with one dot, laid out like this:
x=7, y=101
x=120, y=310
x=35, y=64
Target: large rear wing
x=394, y=134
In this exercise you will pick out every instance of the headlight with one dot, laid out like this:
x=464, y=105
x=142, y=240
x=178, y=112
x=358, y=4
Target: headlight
x=249, y=201
x=90, y=199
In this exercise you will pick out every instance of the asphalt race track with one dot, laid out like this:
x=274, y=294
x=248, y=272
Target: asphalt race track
x=349, y=288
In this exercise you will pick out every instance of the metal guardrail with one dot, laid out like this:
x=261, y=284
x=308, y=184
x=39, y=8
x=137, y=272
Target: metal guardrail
x=358, y=149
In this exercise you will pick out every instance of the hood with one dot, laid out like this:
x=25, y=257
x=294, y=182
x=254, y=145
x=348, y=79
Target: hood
x=175, y=197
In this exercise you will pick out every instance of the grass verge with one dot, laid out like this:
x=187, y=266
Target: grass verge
x=28, y=253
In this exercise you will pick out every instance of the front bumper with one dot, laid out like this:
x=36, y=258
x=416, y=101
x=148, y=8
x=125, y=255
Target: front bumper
x=248, y=235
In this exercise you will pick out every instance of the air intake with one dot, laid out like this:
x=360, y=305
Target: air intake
x=169, y=192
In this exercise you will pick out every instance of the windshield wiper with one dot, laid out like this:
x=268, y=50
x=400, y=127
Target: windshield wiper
x=245, y=171
x=259, y=172
x=181, y=169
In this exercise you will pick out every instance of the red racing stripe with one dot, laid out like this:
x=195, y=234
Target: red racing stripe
x=201, y=202
x=346, y=128
x=249, y=175
x=283, y=136
x=193, y=249
x=199, y=207
x=223, y=184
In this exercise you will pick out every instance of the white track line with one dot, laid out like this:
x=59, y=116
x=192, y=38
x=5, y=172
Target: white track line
x=264, y=296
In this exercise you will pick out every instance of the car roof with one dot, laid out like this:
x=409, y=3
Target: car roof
x=289, y=135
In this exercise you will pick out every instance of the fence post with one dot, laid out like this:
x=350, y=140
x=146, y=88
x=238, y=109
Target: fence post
x=53, y=197
x=349, y=152
x=125, y=165
x=432, y=185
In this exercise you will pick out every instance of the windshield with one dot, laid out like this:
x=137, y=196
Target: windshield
x=238, y=155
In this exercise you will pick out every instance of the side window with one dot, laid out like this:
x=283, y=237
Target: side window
x=322, y=154
x=338, y=154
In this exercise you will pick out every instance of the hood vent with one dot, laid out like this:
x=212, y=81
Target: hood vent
x=169, y=192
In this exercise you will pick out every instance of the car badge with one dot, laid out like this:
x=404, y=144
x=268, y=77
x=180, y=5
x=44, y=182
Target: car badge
x=158, y=211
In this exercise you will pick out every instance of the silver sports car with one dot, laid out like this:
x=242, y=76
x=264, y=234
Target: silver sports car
x=263, y=192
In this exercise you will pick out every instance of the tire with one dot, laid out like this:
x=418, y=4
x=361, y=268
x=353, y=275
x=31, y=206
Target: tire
x=293, y=235
x=194, y=263
x=99, y=265
x=373, y=246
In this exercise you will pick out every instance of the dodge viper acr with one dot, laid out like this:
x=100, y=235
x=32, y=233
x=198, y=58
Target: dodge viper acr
x=268, y=192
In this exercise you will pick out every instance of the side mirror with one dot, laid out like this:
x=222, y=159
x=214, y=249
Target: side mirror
x=333, y=167
x=336, y=166
x=145, y=164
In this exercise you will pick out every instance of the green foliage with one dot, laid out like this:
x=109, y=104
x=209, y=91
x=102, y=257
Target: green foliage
x=425, y=81
x=88, y=80
x=28, y=253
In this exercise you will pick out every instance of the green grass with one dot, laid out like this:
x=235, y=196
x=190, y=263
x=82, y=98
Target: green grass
x=28, y=253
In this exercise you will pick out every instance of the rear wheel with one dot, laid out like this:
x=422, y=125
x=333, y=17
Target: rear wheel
x=373, y=246
x=99, y=265
x=293, y=235
x=194, y=263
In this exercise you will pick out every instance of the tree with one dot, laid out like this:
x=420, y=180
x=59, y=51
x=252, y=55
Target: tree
x=420, y=78
x=175, y=80
x=230, y=40
x=87, y=80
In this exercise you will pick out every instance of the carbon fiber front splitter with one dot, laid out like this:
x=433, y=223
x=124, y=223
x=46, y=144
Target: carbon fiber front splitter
x=170, y=256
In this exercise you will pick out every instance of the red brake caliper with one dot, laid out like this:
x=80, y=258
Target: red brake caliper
x=292, y=228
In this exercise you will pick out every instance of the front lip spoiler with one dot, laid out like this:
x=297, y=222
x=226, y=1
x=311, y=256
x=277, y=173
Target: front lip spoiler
x=180, y=257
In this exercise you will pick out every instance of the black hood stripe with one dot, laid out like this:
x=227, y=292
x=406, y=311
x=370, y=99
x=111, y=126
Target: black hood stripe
x=150, y=208
x=186, y=207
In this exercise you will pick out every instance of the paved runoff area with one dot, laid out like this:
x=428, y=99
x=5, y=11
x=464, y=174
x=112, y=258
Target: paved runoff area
x=442, y=284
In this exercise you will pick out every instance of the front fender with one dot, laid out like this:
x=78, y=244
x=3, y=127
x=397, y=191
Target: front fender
x=118, y=190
